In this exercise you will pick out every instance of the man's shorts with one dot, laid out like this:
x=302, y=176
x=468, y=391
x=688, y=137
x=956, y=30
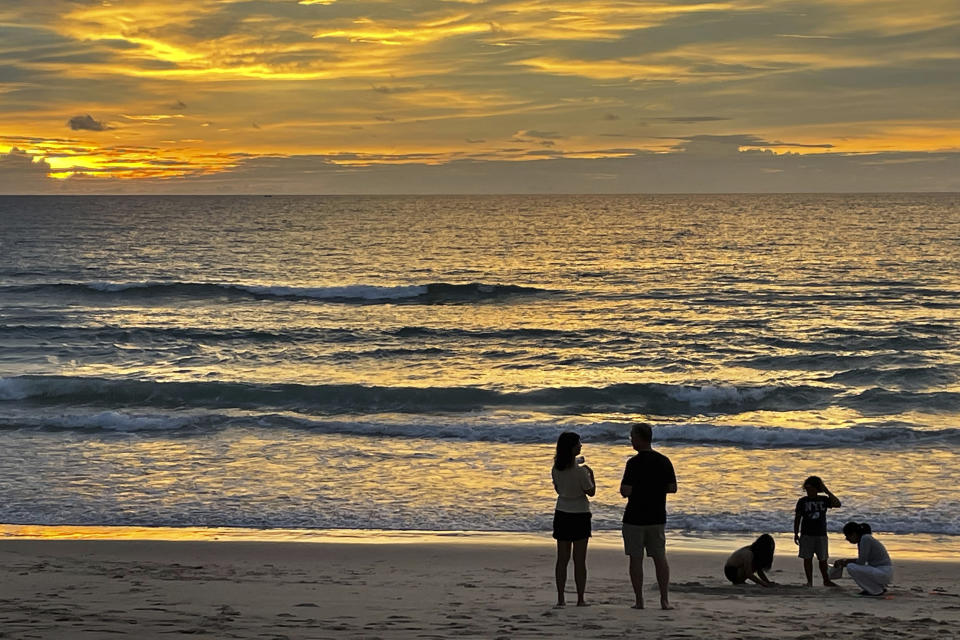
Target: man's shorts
x=810, y=545
x=638, y=538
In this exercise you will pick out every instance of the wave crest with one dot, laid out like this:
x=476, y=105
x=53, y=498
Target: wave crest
x=487, y=430
x=431, y=293
x=649, y=398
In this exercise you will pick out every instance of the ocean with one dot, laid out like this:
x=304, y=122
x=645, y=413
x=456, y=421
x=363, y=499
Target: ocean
x=406, y=363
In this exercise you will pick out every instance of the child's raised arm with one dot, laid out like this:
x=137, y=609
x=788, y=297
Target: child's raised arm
x=834, y=500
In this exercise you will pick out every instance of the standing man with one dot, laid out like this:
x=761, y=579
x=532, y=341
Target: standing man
x=647, y=479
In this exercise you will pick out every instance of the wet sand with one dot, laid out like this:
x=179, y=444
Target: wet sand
x=431, y=588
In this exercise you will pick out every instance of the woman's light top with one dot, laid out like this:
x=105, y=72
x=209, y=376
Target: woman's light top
x=572, y=485
x=871, y=552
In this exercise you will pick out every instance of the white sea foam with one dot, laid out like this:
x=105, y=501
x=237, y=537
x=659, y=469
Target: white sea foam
x=113, y=287
x=490, y=429
x=781, y=437
x=930, y=521
x=122, y=421
x=16, y=388
x=227, y=512
x=709, y=395
x=661, y=398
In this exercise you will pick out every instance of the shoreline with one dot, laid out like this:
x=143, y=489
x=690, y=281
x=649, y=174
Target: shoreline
x=924, y=547
x=432, y=586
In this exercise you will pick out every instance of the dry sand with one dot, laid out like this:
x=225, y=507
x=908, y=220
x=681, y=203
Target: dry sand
x=430, y=588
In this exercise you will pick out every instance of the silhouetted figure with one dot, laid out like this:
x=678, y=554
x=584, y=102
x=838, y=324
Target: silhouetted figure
x=871, y=569
x=810, y=527
x=749, y=563
x=647, y=479
x=571, y=521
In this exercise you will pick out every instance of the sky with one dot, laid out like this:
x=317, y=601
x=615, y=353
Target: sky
x=478, y=96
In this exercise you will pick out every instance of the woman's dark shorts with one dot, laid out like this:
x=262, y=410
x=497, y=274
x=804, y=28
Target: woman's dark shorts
x=571, y=526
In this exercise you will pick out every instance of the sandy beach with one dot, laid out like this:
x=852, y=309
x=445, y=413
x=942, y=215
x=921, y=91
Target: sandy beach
x=431, y=587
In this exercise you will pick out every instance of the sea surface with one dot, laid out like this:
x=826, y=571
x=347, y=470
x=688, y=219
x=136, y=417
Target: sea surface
x=407, y=362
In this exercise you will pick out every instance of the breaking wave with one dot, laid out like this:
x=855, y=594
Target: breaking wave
x=650, y=398
x=484, y=430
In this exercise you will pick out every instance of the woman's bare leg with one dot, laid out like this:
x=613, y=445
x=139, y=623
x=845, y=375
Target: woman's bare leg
x=563, y=558
x=580, y=568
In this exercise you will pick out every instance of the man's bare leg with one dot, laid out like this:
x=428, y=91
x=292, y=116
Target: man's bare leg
x=663, y=581
x=636, y=579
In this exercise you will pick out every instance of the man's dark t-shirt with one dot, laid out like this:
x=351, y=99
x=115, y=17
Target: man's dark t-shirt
x=649, y=473
x=813, y=515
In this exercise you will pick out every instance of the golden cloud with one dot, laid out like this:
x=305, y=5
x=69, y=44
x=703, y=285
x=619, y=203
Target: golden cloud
x=326, y=77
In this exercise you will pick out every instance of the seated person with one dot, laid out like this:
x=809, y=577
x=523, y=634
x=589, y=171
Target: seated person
x=749, y=563
x=871, y=569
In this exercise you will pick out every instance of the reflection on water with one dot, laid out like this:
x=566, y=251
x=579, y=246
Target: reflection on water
x=297, y=479
x=901, y=547
x=406, y=363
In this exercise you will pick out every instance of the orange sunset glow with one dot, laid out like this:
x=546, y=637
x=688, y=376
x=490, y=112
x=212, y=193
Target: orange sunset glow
x=434, y=96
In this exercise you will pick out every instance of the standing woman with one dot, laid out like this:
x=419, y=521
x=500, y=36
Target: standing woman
x=571, y=520
x=872, y=569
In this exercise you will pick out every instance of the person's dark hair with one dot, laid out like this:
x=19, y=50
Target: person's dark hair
x=859, y=528
x=643, y=431
x=763, y=548
x=813, y=481
x=566, y=443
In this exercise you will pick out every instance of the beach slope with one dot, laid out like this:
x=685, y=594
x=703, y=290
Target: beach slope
x=429, y=589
